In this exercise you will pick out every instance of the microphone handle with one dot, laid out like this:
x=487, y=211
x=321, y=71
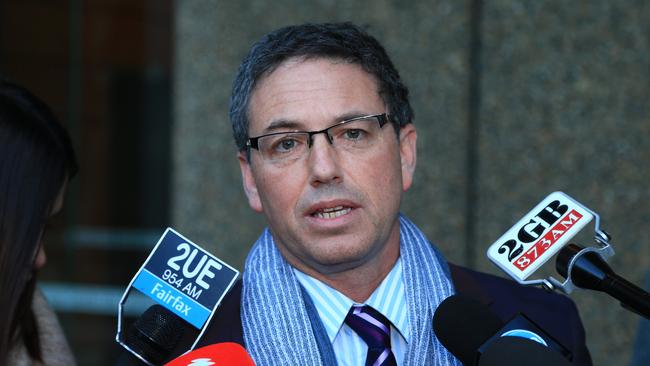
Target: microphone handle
x=631, y=296
x=127, y=359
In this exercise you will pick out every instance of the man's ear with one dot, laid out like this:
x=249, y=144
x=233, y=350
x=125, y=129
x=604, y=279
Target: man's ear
x=250, y=187
x=408, y=137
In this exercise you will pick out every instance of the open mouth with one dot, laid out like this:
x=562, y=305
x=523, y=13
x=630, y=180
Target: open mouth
x=332, y=212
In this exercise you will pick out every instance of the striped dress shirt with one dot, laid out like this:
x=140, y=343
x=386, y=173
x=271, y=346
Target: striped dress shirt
x=332, y=306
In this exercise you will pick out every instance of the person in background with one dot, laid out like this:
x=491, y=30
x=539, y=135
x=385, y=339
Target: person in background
x=36, y=162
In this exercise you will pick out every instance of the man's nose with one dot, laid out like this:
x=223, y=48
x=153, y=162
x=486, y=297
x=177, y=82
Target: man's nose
x=323, y=161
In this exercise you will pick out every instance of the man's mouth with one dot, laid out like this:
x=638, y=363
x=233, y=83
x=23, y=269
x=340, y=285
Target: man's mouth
x=332, y=212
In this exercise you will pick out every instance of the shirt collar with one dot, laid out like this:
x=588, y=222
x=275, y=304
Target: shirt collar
x=332, y=306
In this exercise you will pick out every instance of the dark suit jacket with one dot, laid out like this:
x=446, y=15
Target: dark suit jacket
x=554, y=313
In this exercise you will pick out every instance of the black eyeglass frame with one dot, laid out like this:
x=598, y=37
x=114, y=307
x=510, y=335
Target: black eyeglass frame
x=382, y=119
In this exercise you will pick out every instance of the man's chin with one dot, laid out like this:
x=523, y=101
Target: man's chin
x=339, y=262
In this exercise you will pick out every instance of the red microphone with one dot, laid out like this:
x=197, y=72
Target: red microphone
x=227, y=353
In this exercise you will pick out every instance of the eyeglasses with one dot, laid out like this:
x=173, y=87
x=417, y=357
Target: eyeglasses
x=352, y=135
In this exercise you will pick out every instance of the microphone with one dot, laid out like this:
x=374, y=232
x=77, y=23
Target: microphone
x=588, y=270
x=462, y=325
x=188, y=284
x=229, y=353
x=476, y=336
x=546, y=231
x=153, y=337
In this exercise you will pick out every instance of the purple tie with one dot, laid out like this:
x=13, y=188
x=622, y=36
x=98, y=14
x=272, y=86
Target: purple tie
x=374, y=329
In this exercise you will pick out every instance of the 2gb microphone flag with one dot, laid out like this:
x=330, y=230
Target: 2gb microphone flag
x=184, y=278
x=539, y=235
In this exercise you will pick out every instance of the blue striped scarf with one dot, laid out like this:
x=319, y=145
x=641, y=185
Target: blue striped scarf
x=277, y=329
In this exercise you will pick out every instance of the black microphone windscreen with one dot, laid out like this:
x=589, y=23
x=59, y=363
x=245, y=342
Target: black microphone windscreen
x=515, y=351
x=463, y=324
x=155, y=334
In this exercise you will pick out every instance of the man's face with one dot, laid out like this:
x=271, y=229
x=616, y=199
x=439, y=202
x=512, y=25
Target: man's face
x=331, y=210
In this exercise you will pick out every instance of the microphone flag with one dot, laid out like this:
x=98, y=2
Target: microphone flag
x=184, y=278
x=539, y=235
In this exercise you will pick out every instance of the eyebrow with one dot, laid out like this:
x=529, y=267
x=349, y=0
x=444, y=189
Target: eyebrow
x=290, y=125
x=282, y=124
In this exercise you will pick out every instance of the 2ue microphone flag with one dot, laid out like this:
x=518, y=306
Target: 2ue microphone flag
x=184, y=278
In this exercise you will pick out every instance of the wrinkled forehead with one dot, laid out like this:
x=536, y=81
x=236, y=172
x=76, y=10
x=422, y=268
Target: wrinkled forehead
x=317, y=87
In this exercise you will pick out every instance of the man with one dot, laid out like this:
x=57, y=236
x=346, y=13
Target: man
x=326, y=149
